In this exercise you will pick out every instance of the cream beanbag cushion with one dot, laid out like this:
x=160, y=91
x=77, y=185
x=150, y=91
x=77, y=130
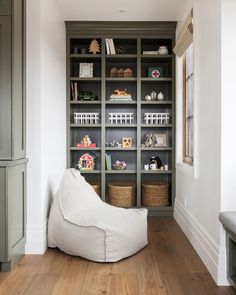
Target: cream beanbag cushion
x=81, y=224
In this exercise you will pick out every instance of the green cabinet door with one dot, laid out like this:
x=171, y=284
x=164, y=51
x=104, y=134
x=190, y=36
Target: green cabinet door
x=12, y=213
x=5, y=88
x=5, y=7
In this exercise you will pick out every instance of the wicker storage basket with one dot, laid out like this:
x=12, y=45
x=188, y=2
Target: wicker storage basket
x=155, y=194
x=97, y=187
x=121, y=194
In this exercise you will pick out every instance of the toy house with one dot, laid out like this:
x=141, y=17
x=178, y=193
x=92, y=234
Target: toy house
x=87, y=162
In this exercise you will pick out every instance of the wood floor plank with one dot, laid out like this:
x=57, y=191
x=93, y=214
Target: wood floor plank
x=167, y=266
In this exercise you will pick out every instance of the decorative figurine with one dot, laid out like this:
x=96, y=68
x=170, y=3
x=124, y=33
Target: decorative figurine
x=128, y=73
x=114, y=72
x=127, y=142
x=94, y=47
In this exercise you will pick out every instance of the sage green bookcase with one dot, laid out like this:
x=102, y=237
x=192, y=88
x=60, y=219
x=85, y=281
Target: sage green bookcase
x=134, y=37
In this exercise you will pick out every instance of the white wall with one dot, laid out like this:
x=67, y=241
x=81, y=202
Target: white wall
x=228, y=118
x=46, y=115
x=197, y=203
x=200, y=199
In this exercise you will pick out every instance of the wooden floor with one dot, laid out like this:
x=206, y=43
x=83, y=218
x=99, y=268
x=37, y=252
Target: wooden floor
x=168, y=265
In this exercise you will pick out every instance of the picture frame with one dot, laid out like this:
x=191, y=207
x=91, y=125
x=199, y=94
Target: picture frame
x=161, y=140
x=86, y=70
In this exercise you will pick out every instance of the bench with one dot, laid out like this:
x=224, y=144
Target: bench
x=228, y=220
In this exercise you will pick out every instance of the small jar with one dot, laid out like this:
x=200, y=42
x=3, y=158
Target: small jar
x=163, y=50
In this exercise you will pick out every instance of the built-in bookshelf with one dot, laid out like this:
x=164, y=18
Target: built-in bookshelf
x=137, y=44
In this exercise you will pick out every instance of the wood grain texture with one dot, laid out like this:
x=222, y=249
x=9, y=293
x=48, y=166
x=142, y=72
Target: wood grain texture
x=167, y=266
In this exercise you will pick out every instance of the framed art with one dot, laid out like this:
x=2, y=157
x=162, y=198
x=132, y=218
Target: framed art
x=86, y=70
x=161, y=140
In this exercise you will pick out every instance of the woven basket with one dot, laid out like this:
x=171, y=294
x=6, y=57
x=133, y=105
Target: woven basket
x=121, y=194
x=97, y=187
x=155, y=194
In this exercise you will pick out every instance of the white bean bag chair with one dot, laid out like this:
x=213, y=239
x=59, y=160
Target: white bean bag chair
x=81, y=224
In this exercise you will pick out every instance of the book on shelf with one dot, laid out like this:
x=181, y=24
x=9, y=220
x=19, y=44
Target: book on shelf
x=107, y=46
x=150, y=52
x=120, y=99
x=74, y=90
x=110, y=47
x=115, y=96
x=108, y=162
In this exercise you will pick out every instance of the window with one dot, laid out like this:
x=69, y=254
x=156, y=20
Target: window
x=188, y=99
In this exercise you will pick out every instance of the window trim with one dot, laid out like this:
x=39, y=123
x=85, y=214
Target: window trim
x=186, y=159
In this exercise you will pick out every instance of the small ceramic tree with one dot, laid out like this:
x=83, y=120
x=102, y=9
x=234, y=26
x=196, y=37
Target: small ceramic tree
x=94, y=46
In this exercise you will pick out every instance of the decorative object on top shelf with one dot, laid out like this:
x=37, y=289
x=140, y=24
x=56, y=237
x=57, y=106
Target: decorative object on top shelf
x=157, y=118
x=163, y=50
x=120, y=50
x=87, y=95
x=120, y=95
x=150, y=52
x=154, y=140
x=155, y=72
x=87, y=162
x=127, y=142
x=86, y=70
x=155, y=163
x=110, y=47
x=75, y=50
x=119, y=165
x=160, y=96
x=83, y=50
x=120, y=73
x=94, y=47
x=128, y=73
x=114, y=72
x=86, y=118
x=121, y=118
x=86, y=142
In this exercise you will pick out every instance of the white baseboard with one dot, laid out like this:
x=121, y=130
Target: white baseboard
x=205, y=246
x=36, y=239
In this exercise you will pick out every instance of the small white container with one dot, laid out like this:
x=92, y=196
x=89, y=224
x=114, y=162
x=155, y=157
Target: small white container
x=163, y=50
x=146, y=167
x=166, y=167
x=160, y=96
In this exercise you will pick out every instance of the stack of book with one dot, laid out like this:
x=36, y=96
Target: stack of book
x=110, y=46
x=74, y=90
x=108, y=162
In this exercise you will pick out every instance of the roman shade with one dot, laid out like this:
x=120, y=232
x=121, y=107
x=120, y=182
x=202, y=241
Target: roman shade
x=185, y=36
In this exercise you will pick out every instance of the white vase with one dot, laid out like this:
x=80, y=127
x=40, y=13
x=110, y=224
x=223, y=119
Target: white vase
x=160, y=96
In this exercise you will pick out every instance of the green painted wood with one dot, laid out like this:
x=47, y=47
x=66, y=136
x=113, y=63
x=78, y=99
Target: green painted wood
x=126, y=31
x=13, y=214
x=5, y=7
x=5, y=88
x=18, y=97
x=3, y=229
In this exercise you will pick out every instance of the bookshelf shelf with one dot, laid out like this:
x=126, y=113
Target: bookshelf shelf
x=131, y=44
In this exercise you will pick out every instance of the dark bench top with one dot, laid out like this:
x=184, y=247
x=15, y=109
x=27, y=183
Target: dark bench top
x=228, y=219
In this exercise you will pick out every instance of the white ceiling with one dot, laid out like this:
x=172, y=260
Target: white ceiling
x=124, y=10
